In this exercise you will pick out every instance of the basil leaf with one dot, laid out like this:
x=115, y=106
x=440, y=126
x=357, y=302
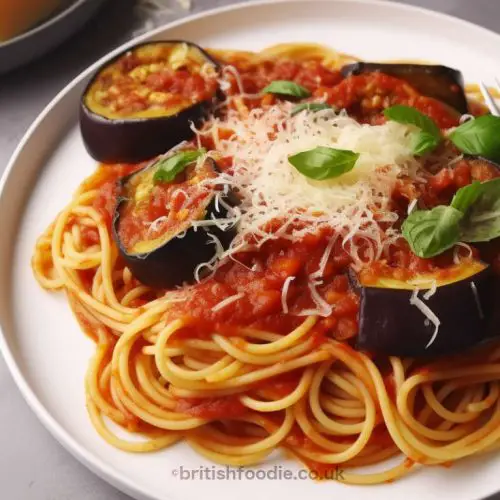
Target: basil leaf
x=482, y=222
x=472, y=217
x=411, y=116
x=431, y=232
x=310, y=106
x=429, y=136
x=286, y=88
x=479, y=137
x=424, y=143
x=465, y=197
x=324, y=163
x=168, y=168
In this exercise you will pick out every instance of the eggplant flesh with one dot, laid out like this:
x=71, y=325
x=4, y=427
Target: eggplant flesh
x=390, y=323
x=439, y=82
x=482, y=169
x=172, y=258
x=112, y=136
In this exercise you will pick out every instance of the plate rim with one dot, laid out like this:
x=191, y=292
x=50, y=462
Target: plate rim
x=87, y=458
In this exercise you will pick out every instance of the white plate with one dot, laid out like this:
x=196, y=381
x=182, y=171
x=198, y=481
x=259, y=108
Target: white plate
x=44, y=347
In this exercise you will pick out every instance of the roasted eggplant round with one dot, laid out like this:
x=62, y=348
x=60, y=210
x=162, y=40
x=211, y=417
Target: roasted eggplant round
x=394, y=315
x=168, y=218
x=482, y=169
x=439, y=82
x=144, y=101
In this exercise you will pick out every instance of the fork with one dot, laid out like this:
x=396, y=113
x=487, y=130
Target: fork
x=489, y=99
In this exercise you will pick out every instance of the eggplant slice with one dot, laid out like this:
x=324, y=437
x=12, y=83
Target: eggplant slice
x=144, y=101
x=439, y=82
x=391, y=323
x=166, y=251
x=482, y=169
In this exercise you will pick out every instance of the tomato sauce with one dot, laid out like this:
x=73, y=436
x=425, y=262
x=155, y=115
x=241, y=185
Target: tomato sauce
x=261, y=275
x=390, y=386
x=212, y=408
x=105, y=182
x=248, y=290
x=154, y=209
x=254, y=76
x=297, y=439
x=366, y=96
x=281, y=385
x=151, y=81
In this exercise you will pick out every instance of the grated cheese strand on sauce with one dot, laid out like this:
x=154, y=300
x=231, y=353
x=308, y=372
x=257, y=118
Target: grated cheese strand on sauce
x=271, y=189
x=324, y=259
x=284, y=293
x=323, y=308
x=227, y=301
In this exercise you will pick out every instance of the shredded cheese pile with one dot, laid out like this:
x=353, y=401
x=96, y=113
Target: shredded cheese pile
x=271, y=189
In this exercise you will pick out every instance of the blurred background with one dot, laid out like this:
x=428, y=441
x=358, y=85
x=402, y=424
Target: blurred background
x=26, y=90
x=60, y=38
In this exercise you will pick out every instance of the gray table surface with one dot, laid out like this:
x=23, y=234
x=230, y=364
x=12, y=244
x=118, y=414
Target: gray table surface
x=33, y=466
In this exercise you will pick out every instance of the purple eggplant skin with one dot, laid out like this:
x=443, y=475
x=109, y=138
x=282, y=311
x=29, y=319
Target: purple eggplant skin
x=174, y=263
x=139, y=139
x=439, y=82
x=389, y=325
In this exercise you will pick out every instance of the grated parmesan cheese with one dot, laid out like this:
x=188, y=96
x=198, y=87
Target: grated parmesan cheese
x=427, y=312
x=284, y=293
x=226, y=302
x=156, y=224
x=456, y=252
x=432, y=290
x=323, y=308
x=412, y=206
x=271, y=189
x=324, y=259
x=211, y=264
x=477, y=299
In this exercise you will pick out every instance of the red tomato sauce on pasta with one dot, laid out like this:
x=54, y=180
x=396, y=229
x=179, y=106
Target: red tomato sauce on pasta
x=259, y=276
x=211, y=408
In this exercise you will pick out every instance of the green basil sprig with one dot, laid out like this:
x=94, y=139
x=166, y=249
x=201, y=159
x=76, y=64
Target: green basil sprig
x=310, y=106
x=429, y=136
x=482, y=220
x=465, y=197
x=431, y=232
x=323, y=163
x=479, y=137
x=168, y=168
x=473, y=216
x=286, y=88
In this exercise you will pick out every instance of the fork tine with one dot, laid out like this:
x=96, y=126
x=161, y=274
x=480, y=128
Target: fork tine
x=497, y=82
x=490, y=102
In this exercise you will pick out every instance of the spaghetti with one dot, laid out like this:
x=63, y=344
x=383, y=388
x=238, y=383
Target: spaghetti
x=259, y=353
